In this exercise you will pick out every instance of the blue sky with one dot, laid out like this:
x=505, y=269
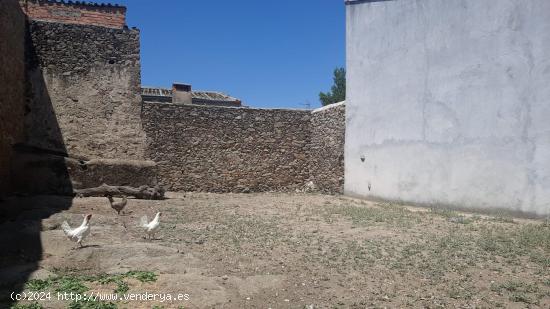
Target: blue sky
x=266, y=53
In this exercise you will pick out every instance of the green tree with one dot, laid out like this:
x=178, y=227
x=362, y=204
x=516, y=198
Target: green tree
x=337, y=92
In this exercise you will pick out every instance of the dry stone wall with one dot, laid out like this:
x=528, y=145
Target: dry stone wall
x=90, y=76
x=12, y=86
x=220, y=149
x=223, y=149
x=326, y=151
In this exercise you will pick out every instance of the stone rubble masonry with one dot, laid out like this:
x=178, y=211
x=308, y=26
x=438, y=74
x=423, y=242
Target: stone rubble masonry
x=112, y=16
x=12, y=86
x=91, y=77
x=224, y=149
x=326, y=150
x=94, y=173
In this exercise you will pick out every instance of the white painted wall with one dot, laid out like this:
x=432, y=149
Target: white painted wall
x=448, y=101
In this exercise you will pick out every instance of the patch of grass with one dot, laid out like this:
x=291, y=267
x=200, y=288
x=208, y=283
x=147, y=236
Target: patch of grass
x=460, y=293
x=502, y=219
x=235, y=232
x=520, y=291
x=364, y=216
x=65, y=283
x=27, y=306
x=514, y=286
x=534, y=235
x=444, y=212
x=105, y=278
x=37, y=285
x=122, y=287
x=92, y=305
x=70, y=284
x=143, y=276
x=494, y=241
x=531, y=240
x=76, y=284
x=522, y=298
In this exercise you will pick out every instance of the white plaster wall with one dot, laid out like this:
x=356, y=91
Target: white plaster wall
x=448, y=102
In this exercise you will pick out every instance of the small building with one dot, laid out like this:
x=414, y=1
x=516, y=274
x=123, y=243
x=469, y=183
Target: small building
x=182, y=94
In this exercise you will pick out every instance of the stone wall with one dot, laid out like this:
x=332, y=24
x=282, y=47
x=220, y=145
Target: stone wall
x=326, y=151
x=223, y=149
x=12, y=86
x=93, y=173
x=90, y=76
x=106, y=15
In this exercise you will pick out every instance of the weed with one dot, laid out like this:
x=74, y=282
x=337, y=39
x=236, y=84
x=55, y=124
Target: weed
x=522, y=298
x=502, y=219
x=143, y=276
x=514, y=286
x=70, y=284
x=38, y=285
x=92, y=305
x=363, y=216
x=122, y=287
x=444, y=212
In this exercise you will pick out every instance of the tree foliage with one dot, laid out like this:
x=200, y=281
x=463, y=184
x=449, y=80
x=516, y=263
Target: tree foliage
x=337, y=92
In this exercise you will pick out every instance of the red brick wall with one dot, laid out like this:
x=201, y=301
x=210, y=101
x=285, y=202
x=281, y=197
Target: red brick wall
x=75, y=12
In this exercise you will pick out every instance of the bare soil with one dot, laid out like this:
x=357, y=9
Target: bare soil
x=301, y=251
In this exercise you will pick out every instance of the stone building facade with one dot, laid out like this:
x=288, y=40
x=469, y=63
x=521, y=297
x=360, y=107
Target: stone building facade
x=75, y=118
x=91, y=77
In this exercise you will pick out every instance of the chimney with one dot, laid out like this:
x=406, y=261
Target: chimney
x=181, y=93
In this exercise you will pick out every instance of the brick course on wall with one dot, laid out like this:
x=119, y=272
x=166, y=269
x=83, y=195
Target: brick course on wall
x=223, y=149
x=326, y=151
x=90, y=75
x=112, y=16
x=12, y=86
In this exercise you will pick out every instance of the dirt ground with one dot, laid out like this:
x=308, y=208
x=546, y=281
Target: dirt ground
x=295, y=251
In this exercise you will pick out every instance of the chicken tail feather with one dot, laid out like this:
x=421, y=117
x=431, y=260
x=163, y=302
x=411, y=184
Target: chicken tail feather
x=66, y=228
x=143, y=221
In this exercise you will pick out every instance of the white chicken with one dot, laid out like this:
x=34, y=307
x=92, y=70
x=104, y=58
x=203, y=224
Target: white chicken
x=78, y=234
x=152, y=227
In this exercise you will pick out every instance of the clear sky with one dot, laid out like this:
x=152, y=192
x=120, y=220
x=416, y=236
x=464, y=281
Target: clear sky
x=268, y=53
